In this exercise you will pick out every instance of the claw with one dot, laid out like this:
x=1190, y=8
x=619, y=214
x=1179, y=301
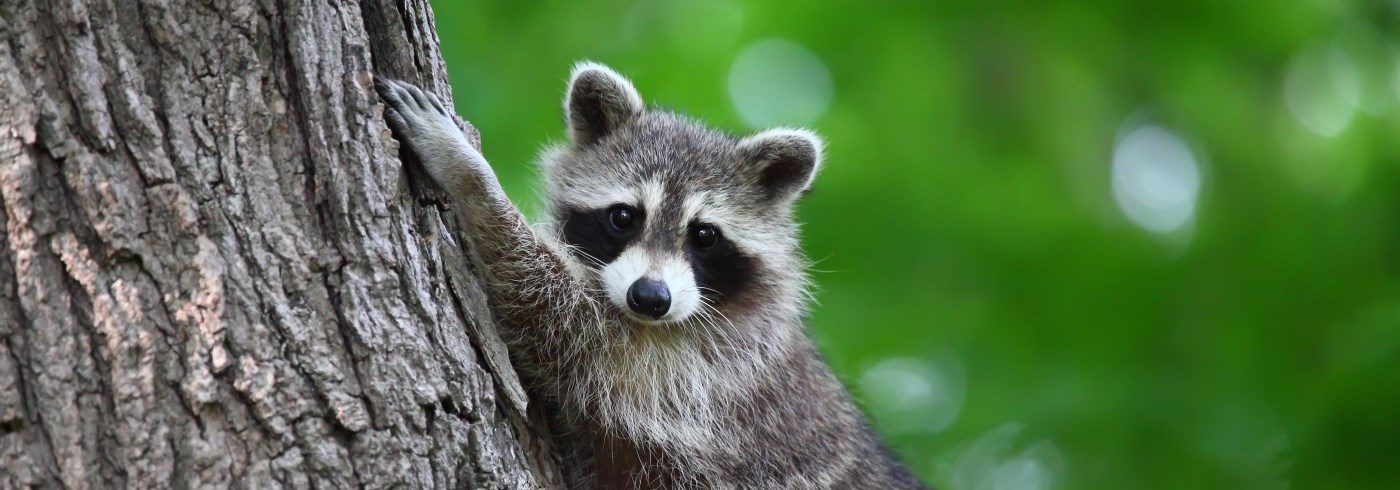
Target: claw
x=393, y=101
x=423, y=99
x=396, y=121
x=393, y=93
x=403, y=95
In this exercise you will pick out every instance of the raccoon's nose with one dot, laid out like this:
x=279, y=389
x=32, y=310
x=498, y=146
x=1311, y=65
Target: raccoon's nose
x=649, y=298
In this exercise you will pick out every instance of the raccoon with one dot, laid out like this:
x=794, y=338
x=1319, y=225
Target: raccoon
x=658, y=312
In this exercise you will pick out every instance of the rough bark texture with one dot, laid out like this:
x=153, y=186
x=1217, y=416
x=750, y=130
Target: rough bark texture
x=214, y=270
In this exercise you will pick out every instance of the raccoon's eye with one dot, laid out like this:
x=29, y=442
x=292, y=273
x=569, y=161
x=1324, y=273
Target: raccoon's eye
x=704, y=236
x=621, y=217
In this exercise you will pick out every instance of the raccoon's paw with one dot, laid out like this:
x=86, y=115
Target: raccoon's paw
x=421, y=121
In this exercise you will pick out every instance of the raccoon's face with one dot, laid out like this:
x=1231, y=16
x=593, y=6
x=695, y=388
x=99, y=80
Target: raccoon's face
x=675, y=221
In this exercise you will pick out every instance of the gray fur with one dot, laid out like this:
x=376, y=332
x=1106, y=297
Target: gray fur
x=730, y=394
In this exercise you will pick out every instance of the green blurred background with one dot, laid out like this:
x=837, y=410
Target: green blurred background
x=1100, y=245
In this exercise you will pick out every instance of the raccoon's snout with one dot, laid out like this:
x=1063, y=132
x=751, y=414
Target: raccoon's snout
x=649, y=298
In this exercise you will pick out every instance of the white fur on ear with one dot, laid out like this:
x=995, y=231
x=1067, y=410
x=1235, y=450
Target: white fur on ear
x=788, y=160
x=598, y=101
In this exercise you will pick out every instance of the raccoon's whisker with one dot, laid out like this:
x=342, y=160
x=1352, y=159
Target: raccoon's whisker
x=711, y=331
x=702, y=297
x=711, y=290
x=727, y=321
x=583, y=253
x=726, y=332
x=705, y=299
x=713, y=315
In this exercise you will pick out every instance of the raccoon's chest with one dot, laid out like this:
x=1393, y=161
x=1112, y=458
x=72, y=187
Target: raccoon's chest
x=623, y=464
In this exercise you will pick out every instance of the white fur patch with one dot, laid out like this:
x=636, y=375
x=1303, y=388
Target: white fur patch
x=694, y=205
x=619, y=275
x=635, y=263
x=602, y=193
x=746, y=232
x=680, y=280
x=599, y=197
x=651, y=195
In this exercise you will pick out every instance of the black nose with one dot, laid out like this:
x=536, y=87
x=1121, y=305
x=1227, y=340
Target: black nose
x=649, y=298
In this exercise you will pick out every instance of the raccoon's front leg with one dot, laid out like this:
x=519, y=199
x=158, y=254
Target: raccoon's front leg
x=423, y=123
x=529, y=286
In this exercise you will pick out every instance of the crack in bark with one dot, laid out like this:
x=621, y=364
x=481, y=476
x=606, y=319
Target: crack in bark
x=48, y=458
x=167, y=221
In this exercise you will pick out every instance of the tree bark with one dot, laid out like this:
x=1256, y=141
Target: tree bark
x=214, y=270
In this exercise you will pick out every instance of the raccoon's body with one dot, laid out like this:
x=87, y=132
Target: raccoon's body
x=659, y=311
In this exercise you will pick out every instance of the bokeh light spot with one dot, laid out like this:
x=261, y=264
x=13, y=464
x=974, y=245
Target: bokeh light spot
x=1395, y=80
x=913, y=395
x=1156, y=179
x=1322, y=89
x=996, y=462
x=779, y=82
x=1021, y=474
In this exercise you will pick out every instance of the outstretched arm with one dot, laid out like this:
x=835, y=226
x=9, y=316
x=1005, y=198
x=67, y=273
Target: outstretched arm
x=529, y=286
x=421, y=122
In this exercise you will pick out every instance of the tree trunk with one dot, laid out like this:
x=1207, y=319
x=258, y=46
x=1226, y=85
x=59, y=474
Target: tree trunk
x=213, y=269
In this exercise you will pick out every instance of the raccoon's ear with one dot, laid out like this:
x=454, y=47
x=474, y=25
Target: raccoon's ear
x=786, y=161
x=598, y=102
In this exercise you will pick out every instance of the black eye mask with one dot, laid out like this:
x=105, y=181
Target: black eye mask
x=722, y=271
x=598, y=236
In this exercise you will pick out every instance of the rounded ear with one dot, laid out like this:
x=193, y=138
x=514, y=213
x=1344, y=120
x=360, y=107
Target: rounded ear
x=786, y=161
x=598, y=102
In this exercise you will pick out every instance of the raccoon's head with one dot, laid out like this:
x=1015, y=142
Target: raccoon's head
x=674, y=221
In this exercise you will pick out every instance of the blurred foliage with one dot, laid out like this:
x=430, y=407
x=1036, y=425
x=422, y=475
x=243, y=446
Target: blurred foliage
x=965, y=222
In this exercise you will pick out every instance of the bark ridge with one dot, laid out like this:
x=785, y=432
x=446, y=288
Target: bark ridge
x=214, y=271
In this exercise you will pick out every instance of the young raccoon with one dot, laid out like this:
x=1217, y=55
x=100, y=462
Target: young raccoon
x=659, y=314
